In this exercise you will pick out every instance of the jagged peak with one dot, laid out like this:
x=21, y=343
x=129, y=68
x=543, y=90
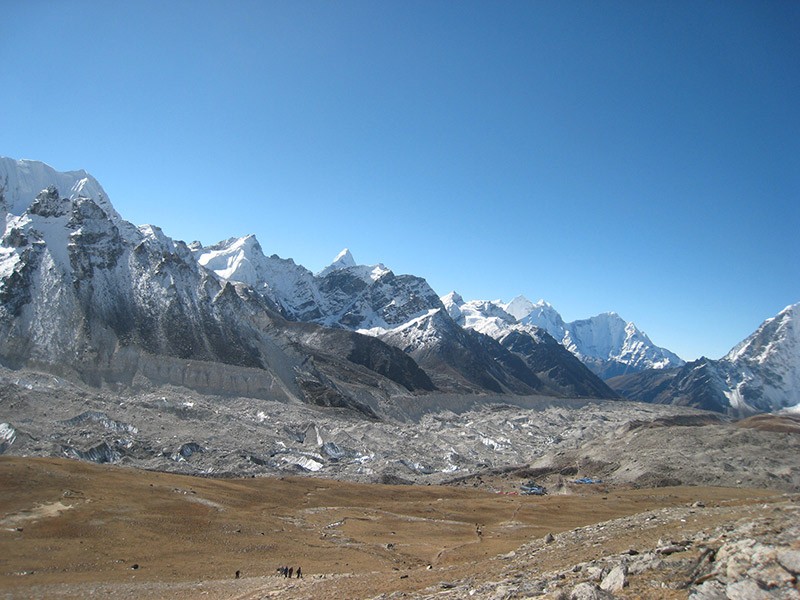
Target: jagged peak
x=452, y=298
x=245, y=242
x=780, y=331
x=343, y=260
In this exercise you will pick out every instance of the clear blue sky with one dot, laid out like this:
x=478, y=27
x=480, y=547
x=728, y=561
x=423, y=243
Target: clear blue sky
x=641, y=157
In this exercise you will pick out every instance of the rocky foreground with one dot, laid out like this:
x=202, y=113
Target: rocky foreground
x=753, y=554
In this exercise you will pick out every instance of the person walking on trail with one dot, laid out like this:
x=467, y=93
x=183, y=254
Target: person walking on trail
x=291, y=572
x=299, y=573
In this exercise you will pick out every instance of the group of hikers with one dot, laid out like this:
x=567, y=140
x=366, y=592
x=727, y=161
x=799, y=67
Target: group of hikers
x=289, y=571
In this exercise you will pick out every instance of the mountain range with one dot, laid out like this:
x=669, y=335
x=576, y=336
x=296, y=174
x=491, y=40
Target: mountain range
x=86, y=294
x=760, y=374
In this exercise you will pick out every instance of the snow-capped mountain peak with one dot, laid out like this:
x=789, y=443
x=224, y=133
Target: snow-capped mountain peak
x=22, y=180
x=606, y=343
x=763, y=371
x=542, y=314
x=483, y=316
x=519, y=307
x=343, y=260
x=767, y=340
x=233, y=259
x=452, y=303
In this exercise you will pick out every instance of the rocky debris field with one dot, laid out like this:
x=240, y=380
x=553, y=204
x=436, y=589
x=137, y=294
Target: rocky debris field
x=499, y=442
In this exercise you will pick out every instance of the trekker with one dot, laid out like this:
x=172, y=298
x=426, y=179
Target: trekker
x=299, y=573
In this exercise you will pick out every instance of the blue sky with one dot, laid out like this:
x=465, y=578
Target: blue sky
x=640, y=157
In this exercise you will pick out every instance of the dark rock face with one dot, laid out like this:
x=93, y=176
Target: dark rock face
x=606, y=369
x=15, y=290
x=352, y=301
x=389, y=362
x=399, y=298
x=462, y=360
x=556, y=366
x=344, y=350
x=698, y=384
x=49, y=204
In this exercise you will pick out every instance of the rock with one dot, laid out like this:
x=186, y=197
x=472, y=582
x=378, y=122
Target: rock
x=747, y=589
x=773, y=576
x=699, y=504
x=616, y=579
x=589, y=591
x=790, y=560
x=594, y=573
x=549, y=538
x=501, y=592
x=670, y=549
x=709, y=590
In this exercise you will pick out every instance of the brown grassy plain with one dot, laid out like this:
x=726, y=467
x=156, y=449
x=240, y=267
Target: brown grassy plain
x=70, y=529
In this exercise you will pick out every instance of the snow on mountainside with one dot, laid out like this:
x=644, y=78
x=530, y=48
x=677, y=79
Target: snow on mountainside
x=344, y=294
x=520, y=307
x=765, y=368
x=290, y=286
x=542, y=314
x=401, y=310
x=549, y=360
x=606, y=343
x=22, y=180
x=760, y=374
x=87, y=294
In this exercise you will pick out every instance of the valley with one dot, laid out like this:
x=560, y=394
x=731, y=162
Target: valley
x=180, y=420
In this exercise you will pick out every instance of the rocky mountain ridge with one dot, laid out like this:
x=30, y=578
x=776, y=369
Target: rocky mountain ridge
x=405, y=312
x=606, y=343
x=760, y=374
x=85, y=293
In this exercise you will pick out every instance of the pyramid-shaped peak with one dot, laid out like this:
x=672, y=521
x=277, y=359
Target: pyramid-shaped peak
x=519, y=307
x=344, y=259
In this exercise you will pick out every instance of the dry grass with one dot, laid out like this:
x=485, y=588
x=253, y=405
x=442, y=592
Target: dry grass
x=68, y=529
